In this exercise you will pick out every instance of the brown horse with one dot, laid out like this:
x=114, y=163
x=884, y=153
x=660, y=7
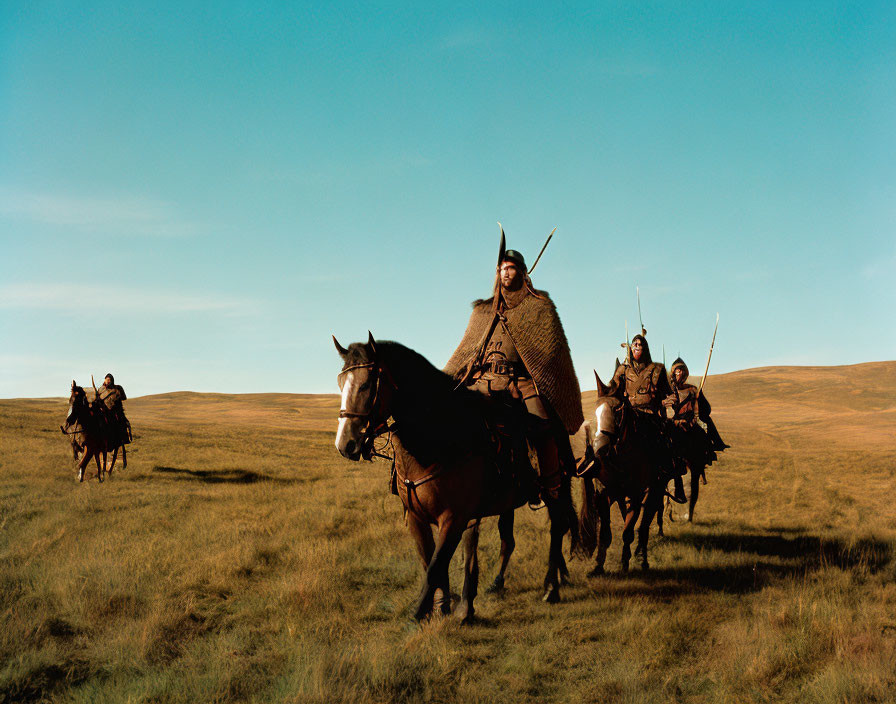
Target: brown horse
x=621, y=459
x=448, y=471
x=91, y=432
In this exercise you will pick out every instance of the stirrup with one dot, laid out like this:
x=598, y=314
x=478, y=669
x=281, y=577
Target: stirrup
x=537, y=505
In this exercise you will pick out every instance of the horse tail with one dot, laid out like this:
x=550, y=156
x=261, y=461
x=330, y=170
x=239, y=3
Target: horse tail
x=587, y=518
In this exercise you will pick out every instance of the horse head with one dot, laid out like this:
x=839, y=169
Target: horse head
x=365, y=398
x=606, y=414
x=76, y=401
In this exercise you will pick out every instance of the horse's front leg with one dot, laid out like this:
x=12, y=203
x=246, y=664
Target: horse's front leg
x=556, y=564
x=605, y=536
x=695, y=493
x=652, y=506
x=505, y=530
x=632, y=511
x=85, y=460
x=465, y=611
x=423, y=540
x=451, y=530
x=114, y=457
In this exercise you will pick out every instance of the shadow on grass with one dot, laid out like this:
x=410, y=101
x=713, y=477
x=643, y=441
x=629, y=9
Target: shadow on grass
x=225, y=476
x=806, y=550
x=767, y=558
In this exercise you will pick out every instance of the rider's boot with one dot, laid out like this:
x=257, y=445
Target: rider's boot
x=550, y=477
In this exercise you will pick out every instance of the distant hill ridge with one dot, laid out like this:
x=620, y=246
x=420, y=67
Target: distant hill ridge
x=812, y=393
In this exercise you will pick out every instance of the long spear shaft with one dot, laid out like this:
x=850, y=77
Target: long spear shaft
x=628, y=347
x=532, y=268
x=711, y=345
x=640, y=319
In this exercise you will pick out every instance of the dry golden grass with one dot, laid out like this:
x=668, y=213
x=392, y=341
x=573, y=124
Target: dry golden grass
x=239, y=558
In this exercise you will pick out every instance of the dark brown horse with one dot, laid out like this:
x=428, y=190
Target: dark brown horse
x=446, y=463
x=90, y=431
x=621, y=459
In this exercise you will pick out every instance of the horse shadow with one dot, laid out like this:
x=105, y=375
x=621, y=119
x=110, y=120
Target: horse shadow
x=766, y=558
x=807, y=550
x=222, y=476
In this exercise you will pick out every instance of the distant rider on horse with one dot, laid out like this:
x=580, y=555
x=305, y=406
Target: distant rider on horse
x=687, y=412
x=112, y=396
x=646, y=385
x=515, y=344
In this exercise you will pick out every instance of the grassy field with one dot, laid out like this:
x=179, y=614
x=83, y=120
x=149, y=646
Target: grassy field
x=239, y=558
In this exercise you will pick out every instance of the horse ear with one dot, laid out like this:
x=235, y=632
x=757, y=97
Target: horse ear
x=602, y=389
x=339, y=348
x=618, y=364
x=370, y=343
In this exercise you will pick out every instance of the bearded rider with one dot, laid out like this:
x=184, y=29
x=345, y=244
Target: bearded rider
x=515, y=343
x=112, y=396
x=688, y=412
x=645, y=384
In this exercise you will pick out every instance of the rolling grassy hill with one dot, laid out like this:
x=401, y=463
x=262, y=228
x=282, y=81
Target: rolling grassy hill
x=239, y=558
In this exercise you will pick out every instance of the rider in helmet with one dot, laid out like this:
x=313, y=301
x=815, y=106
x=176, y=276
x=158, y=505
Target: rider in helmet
x=515, y=343
x=645, y=384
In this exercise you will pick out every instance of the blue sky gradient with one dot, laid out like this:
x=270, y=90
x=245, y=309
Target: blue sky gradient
x=194, y=196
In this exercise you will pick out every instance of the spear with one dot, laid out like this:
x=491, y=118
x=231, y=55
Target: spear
x=640, y=319
x=96, y=394
x=532, y=268
x=711, y=345
x=627, y=346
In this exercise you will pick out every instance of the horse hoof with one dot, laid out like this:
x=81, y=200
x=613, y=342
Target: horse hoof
x=660, y=533
x=625, y=567
x=551, y=596
x=466, y=615
x=496, y=587
x=645, y=565
x=596, y=572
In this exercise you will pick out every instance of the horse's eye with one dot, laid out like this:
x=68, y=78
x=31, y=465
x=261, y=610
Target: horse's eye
x=364, y=386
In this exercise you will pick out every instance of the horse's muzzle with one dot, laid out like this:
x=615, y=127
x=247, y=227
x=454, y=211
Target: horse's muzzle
x=351, y=451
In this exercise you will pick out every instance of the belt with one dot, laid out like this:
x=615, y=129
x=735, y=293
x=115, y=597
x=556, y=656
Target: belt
x=502, y=367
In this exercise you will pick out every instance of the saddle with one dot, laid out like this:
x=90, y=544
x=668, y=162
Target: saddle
x=508, y=426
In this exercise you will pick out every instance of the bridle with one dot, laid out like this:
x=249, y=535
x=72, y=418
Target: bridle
x=377, y=423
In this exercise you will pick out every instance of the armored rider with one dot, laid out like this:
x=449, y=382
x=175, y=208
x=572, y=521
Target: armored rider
x=688, y=410
x=515, y=343
x=646, y=385
x=112, y=395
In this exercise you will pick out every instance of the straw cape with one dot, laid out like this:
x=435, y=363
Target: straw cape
x=538, y=335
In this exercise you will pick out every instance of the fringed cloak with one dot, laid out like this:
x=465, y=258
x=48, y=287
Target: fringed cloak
x=541, y=343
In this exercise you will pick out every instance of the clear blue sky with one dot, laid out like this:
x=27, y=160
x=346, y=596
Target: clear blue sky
x=196, y=195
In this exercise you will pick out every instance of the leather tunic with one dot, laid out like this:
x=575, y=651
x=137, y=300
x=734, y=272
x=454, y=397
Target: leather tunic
x=646, y=385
